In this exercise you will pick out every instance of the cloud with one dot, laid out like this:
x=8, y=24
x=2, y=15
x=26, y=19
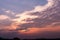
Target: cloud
x=6, y=12
x=6, y=22
x=25, y=15
x=39, y=22
x=3, y=17
x=40, y=16
x=41, y=30
x=44, y=7
x=9, y=12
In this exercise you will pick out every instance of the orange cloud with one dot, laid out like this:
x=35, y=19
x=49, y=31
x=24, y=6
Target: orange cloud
x=29, y=31
x=34, y=31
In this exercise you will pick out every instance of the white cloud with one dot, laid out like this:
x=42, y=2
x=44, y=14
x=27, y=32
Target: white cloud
x=9, y=12
x=25, y=15
x=45, y=7
x=3, y=17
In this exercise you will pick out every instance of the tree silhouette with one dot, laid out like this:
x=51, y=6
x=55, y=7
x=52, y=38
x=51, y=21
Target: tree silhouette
x=16, y=38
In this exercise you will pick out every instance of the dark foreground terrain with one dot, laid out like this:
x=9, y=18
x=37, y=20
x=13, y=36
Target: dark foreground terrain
x=29, y=39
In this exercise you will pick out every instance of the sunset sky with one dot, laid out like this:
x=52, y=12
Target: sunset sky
x=30, y=18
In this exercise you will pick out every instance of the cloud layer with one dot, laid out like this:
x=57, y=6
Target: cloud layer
x=42, y=21
x=40, y=16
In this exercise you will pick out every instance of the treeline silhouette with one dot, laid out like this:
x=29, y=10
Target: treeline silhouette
x=29, y=39
x=9, y=39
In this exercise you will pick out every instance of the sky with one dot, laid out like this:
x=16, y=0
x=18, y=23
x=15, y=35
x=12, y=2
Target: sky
x=30, y=18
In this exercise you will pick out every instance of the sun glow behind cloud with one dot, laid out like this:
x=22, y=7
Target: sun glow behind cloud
x=34, y=31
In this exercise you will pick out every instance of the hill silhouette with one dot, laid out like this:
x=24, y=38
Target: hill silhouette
x=9, y=39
